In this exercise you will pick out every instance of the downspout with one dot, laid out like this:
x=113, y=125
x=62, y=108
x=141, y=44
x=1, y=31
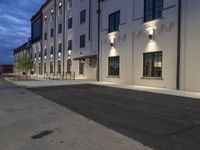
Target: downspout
x=178, y=45
x=55, y=31
x=63, y=40
x=98, y=51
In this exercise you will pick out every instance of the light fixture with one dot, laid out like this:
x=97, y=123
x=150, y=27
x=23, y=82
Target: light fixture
x=45, y=17
x=45, y=57
x=59, y=54
x=150, y=31
x=111, y=45
x=60, y=4
x=51, y=55
x=69, y=52
x=81, y=54
x=68, y=57
x=52, y=10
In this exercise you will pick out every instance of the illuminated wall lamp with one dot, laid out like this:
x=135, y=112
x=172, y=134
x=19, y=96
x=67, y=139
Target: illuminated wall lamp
x=151, y=32
x=69, y=52
x=59, y=54
x=68, y=57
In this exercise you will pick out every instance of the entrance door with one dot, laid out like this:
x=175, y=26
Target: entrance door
x=69, y=64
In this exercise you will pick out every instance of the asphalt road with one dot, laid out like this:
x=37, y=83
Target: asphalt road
x=158, y=121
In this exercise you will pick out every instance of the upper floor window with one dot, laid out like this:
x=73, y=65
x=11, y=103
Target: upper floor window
x=59, y=28
x=114, y=21
x=70, y=45
x=82, y=41
x=82, y=16
x=70, y=22
x=70, y=3
x=152, y=9
x=152, y=65
x=51, y=32
x=60, y=47
x=45, y=36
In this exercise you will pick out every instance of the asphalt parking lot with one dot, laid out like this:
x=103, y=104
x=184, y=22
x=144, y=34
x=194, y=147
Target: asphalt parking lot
x=158, y=121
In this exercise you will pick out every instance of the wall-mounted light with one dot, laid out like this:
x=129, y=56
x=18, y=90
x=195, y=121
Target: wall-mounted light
x=60, y=4
x=151, y=31
x=59, y=54
x=69, y=52
x=52, y=11
x=111, y=45
x=45, y=57
x=81, y=54
x=45, y=17
x=68, y=57
x=51, y=55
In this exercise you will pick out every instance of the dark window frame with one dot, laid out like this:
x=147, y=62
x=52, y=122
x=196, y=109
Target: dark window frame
x=70, y=23
x=82, y=41
x=152, y=9
x=114, y=21
x=60, y=28
x=114, y=66
x=150, y=60
x=83, y=16
x=69, y=45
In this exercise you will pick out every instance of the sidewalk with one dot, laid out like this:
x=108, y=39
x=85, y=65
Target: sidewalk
x=31, y=122
x=47, y=83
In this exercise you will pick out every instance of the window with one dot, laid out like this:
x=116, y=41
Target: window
x=51, y=67
x=82, y=16
x=45, y=36
x=69, y=45
x=70, y=22
x=82, y=41
x=70, y=3
x=81, y=67
x=51, y=50
x=52, y=11
x=114, y=22
x=60, y=47
x=45, y=52
x=59, y=28
x=59, y=67
x=152, y=9
x=52, y=32
x=152, y=65
x=45, y=67
x=113, y=66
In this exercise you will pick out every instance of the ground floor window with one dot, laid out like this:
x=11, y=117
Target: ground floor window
x=81, y=67
x=59, y=67
x=51, y=67
x=45, y=67
x=69, y=63
x=152, y=64
x=113, y=66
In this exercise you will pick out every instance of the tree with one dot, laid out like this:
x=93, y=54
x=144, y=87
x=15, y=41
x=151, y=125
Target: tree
x=23, y=64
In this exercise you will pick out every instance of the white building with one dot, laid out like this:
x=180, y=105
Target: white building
x=140, y=43
x=69, y=39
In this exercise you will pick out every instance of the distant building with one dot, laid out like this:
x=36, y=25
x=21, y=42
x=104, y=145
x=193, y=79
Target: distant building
x=6, y=68
x=24, y=49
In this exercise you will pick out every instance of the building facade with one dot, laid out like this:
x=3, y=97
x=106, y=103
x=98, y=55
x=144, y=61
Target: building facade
x=150, y=43
x=23, y=50
x=69, y=39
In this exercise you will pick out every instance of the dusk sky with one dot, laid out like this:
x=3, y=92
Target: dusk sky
x=15, y=25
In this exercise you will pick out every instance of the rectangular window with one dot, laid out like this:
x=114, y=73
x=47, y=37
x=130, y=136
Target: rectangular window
x=82, y=41
x=70, y=3
x=45, y=52
x=70, y=22
x=70, y=45
x=82, y=16
x=52, y=50
x=114, y=21
x=113, y=66
x=152, y=64
x=52, y=32
x=59, y=28
x=152, y=9
x=81, y=67
x=60, y=47
x=45, y=36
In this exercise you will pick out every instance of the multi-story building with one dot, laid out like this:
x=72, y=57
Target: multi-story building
x=23, y=50
x=36, y=38
x=69, y=39
x=150, y=43
x=142, y=42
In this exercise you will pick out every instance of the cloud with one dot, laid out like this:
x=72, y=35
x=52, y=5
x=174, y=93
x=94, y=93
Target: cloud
x=15, y=25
